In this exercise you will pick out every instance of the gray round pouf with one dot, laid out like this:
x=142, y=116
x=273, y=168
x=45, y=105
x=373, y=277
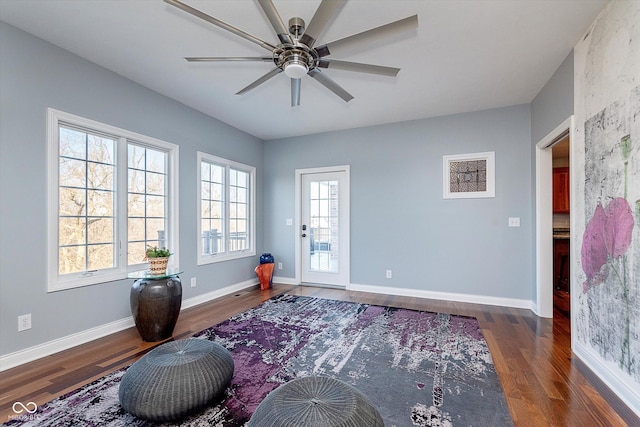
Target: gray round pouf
x=176, y=379
x=318, y=402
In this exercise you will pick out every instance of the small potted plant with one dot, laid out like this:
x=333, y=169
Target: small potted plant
x=158, y=259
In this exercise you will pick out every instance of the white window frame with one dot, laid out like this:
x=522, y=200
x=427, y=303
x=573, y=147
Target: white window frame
x=57, y=282
x=251, y=223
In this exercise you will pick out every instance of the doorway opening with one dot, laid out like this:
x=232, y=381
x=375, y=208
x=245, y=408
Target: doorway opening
x=546, y=276
x=561, y=196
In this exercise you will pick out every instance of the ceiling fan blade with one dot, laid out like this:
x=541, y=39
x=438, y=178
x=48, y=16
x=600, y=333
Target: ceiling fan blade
x=330, y=84
x=358, y=67
x=221, y=24
x=370, y=35
x=295, y=92
x=226, y=58
x=320, y=21
x=261, y=80
x=276, y=21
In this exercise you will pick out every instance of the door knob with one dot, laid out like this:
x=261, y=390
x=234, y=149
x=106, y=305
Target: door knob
x=304, y=235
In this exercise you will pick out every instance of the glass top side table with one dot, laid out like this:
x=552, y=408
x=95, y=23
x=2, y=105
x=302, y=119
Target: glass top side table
x=145, y=274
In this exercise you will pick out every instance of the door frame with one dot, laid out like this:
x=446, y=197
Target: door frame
x=298, y=216
x=543, y=306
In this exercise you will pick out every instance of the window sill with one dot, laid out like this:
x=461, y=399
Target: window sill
x=213, y=259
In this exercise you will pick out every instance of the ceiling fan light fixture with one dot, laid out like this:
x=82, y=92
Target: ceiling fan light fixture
x=295, y=69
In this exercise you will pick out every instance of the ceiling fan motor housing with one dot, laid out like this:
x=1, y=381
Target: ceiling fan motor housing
x=296, y=58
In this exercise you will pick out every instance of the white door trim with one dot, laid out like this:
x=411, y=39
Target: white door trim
x=544, y=217
x=298, y=216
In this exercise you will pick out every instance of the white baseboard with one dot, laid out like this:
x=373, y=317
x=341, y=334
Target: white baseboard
x=30, y=354
x=48, y=348
x=445, y=296
x=625, y=390
x=285, y=280
x=199, y=299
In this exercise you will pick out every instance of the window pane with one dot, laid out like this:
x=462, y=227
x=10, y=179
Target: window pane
x=136, y=205
x=135, y=156
x=155, y=230
x=241, y=211
x=206, y=209
x=136, y=229
x=101, y=256
x=101, y=230
x=216, y=191
x=242, y=179
x=100, y=176
x=216, y=210
x=135, y=253
x=72, y=173
x=72, y=201
x=156, y=161
x=136, y=181
x=155, y=183
x=72, y=231
x=241, y=195
x=100, y=149
x=72, y=143
x=205, y=190
x=155, y=206
x=100, y=203
x=205, y=171
x=71, y=259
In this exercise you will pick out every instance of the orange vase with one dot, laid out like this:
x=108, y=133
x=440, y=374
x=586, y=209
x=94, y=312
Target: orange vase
x=264, y=272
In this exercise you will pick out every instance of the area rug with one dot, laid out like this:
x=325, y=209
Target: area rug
x=417, y=368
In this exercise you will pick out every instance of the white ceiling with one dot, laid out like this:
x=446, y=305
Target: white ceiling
x=466, y=55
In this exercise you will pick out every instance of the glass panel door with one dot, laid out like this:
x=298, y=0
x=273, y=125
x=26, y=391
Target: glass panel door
x=322, y=229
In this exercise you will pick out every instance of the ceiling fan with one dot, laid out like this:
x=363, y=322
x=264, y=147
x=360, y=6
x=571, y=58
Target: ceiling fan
x=296, y=54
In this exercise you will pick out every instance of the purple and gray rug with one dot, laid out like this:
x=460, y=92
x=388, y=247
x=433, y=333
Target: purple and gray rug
x=417, y=368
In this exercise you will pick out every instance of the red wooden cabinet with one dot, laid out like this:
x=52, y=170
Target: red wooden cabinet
x=561, y=190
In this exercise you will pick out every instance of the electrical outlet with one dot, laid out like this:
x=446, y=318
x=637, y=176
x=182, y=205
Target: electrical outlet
x=279, y=266
x=514, y=222
x=289, y=221
x=24, y=322
x=389, y=274
x=193, y=282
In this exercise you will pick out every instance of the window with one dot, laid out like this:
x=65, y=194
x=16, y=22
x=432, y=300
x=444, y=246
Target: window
x=112, y=193
x=226, y=206
x=146, y=200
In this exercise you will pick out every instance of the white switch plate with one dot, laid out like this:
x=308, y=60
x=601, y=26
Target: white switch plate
x=289, y=221
x=514, y=222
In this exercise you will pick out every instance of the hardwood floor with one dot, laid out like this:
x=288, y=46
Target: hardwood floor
x=543, y=383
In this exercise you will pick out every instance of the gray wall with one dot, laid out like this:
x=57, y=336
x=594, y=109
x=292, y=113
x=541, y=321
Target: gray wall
x=35, y=75
x=399, y=219
x=554, y=103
